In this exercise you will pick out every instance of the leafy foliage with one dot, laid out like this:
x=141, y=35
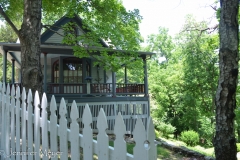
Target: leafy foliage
x=182, y=87
x=107, y=20
x=190, y=137
x=165, y=129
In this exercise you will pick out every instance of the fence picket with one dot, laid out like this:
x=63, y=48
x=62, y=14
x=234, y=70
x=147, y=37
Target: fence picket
x=23, y=123
x=87, y=134
x=3, y=118
x=119, y=143
x=44, y=128
x=152, y=152
x=30, y=124
x=1, y=130
x=74, y=136
x=36, y=125
x=53, y=127
x=102, y=137
x=7, y=114
x=140, y=136
x=18, y=122
x=63, y=130
x=13, y=121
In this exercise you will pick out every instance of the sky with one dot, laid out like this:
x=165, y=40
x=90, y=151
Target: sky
x=169, y=13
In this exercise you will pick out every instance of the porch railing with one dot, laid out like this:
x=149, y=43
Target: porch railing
x=95, y=88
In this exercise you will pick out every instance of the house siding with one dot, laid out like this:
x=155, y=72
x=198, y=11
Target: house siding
x=95, y=75
x=58, y=37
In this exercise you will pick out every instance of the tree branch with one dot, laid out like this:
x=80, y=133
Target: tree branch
x=49, y=27
x=209, y=29
x=9, y=21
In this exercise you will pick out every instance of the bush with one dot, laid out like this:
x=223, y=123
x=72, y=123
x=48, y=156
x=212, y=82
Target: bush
x=165, y=129
x=157, y=134
x=238, y=147
x=190, y=137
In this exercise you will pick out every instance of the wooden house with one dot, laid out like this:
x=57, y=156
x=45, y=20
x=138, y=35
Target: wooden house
x=78, y=79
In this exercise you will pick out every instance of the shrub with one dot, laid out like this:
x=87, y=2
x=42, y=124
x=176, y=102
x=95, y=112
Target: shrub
x=165, y=129
x=157, y=134
x=238, y=147
x=190, y=137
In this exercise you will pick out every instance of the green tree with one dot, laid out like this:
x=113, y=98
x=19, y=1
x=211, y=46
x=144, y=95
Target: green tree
x=183, y=87
x=108, y=20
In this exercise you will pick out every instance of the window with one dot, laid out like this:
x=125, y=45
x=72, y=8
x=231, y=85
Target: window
x=72, y=70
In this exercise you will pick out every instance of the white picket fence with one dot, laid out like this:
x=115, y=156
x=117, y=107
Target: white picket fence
x=28, y=135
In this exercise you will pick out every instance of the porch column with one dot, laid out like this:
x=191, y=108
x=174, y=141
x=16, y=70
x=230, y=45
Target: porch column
x=125, y=71
x=4, y=66
x=114, y=84
x=105, y=76
x=45, y=73
x=61, y=75
x=84, y=70
x=13, y=71
x=145, y=77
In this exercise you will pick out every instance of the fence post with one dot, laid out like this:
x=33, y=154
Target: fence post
x=1, y=124
x=13, y=121
x=53, y=127
x=102, y=137
x=87, y=134
x=140, y=136
x=36, y=125
x=23, y=123
x=119, y=143
x=152, y=150
x=18, y=122
x=44, y=128
x=30, y=124
x=7, y=125
x=63, y=130
x=74, y=136
x=3, y=118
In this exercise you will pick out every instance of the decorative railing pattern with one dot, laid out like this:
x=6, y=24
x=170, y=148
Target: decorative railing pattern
x=94, y=88
x=129, y=88
x=22, y=116
x=130, y=111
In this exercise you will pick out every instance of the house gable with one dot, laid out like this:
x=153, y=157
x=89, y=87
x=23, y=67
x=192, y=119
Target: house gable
x=54, y=35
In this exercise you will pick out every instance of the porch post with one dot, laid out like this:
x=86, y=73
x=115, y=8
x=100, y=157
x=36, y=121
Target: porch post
x=125, y=71
x=84, y=70
x=61, y=89
x=114, y=84
x=5, y=66
x=13, y=71
x=145, y=77
x=45, y=73
x=105, y=76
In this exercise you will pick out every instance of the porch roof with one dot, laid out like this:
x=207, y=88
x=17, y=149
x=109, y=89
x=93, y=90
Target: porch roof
x=15, y=50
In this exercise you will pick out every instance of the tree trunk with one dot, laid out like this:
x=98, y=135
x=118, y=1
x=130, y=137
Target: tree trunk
x=224, y=140
x=29, y=36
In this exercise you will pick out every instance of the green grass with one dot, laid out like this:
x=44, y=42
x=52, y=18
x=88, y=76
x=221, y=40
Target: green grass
x=202, y=150
x=130, y=146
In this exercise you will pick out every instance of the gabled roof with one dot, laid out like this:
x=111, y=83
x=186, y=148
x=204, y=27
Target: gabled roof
x=14, y=49
x=62, y=21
